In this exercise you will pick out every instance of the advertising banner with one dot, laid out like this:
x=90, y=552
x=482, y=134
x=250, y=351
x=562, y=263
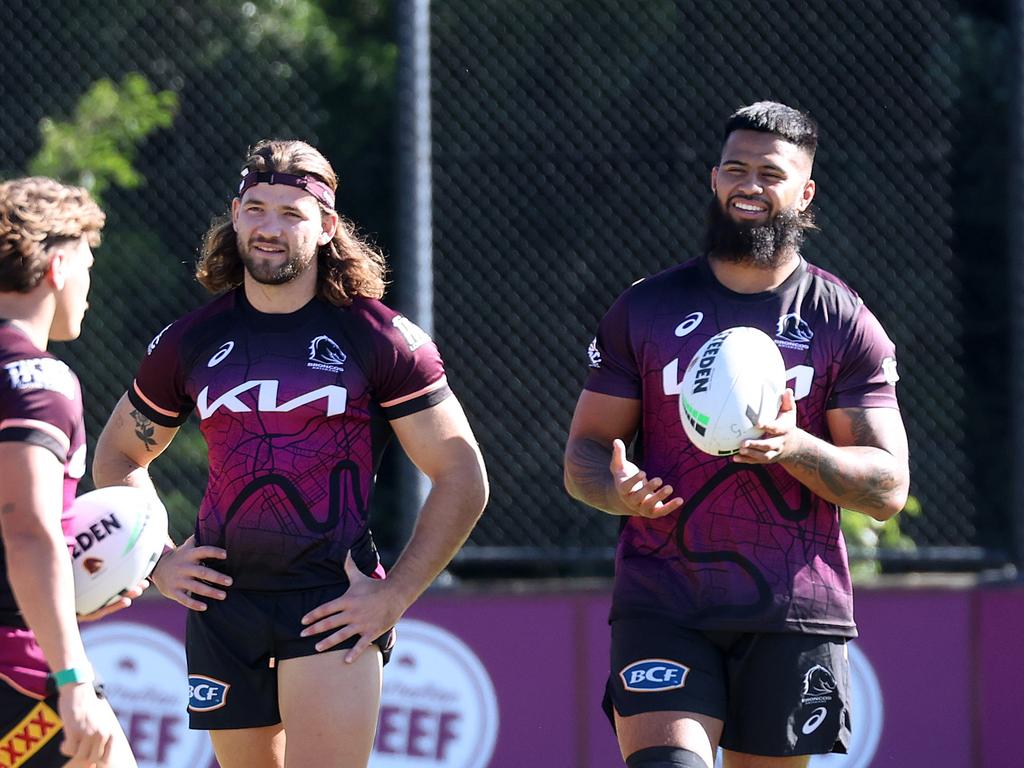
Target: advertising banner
x=500, y=680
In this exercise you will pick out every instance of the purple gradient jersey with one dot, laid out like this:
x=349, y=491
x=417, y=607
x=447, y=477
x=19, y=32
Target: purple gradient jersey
x=294, y=409
x=751, y=549
x=40, y=404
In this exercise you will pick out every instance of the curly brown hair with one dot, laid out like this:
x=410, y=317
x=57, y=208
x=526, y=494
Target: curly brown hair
x=347, y=266
x=36, y=213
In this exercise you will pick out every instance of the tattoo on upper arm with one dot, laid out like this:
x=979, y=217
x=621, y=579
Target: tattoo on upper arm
x=143, y=429
x=7, y=508
x=862, y=429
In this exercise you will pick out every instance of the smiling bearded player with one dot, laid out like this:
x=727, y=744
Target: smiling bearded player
x=299, y=375
x=732, y=602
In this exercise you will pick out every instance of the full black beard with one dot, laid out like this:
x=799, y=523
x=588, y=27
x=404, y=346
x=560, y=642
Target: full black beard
x=760, y=245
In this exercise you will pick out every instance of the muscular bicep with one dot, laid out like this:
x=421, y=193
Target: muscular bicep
x=129, y=440
x=602, y=418
x=32, y=493
x=869, y=428
x=597, y=422
x=439, y=440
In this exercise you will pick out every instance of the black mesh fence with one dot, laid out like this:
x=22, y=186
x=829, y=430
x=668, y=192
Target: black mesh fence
x=216, y=57
x=572, y=146
x=572, y=141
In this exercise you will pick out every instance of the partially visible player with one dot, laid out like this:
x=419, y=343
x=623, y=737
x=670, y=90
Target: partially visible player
x=49, y=707
x=298, y=375
x=733, y=602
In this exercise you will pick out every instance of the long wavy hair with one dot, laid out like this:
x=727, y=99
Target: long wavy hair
x=347, y=265
x=35, y=213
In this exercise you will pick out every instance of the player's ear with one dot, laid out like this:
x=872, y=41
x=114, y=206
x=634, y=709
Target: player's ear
x=235, y=205
x=808, y=194
x=330, y=227
x=56, y=273
x=714, y=179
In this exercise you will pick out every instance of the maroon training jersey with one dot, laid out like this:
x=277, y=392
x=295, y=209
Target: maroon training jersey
x=294, y=409
x=41, y=404
x=751, y=549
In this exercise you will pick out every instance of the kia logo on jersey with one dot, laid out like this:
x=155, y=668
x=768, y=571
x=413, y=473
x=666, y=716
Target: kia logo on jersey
x=267, y=399
x=650, y=675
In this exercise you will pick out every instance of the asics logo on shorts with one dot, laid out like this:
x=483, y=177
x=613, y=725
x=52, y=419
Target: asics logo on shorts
x=651, y=675
x=817, y=718
x=206, y=693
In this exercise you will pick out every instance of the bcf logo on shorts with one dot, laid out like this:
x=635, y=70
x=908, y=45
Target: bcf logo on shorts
x=206, y=693
x=650, y=675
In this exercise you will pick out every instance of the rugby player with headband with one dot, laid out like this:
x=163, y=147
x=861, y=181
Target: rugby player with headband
x=298, y=375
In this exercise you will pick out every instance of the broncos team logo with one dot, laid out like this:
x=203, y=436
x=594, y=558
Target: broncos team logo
x=819, y=684
x=793, y=328
x=324, y=351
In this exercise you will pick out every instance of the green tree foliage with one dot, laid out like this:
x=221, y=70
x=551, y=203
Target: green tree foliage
x=865, y=536
x=96, y=148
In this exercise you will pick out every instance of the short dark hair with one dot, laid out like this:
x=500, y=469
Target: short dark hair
x=787, y=123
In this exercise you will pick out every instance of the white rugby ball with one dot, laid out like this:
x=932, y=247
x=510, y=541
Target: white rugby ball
x=735, y=381
x=117, y=535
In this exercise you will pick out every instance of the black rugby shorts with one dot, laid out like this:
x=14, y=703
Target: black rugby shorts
x=30, y=731
x=779, y=694
x=233, y=648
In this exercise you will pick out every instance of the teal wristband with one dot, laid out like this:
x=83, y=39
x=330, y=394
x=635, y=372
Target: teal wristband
x=72, y=675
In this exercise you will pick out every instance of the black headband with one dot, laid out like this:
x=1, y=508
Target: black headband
x=312, y=185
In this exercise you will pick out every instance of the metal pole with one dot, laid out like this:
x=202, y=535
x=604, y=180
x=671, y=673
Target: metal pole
x=415, y=292
x=1017, y=278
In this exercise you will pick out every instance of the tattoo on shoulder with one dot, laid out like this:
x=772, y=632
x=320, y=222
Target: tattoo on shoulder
x=143, y=429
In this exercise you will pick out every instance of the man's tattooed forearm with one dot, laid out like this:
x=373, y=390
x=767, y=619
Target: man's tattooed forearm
x=143, y=429
x=586, y=464
x=870, y=490
x=881, y=484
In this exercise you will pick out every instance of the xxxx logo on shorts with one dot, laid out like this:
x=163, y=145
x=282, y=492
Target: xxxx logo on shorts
x=29, y=736
x=650, y=675
x=206, y=693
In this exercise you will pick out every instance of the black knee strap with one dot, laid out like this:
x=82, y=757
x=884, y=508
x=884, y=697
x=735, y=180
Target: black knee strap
x=665, y=757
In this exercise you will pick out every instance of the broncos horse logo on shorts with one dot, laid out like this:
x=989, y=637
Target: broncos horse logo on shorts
x=819, y=684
